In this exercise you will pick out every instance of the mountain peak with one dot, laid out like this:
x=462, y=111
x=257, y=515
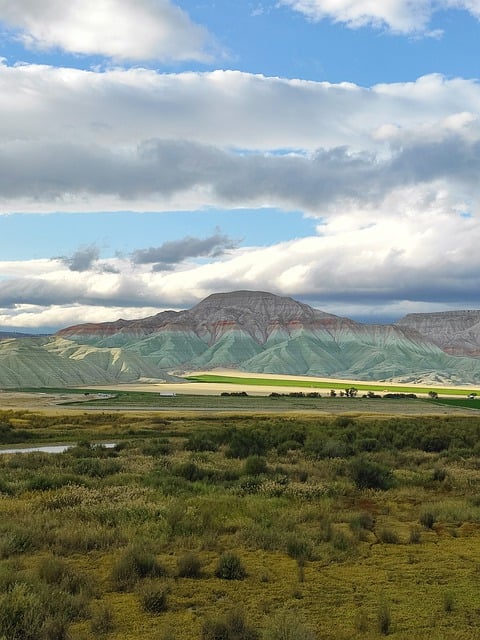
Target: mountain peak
x=268, y=304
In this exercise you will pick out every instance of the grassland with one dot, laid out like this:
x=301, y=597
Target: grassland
x=232, y=526
x=326, y=384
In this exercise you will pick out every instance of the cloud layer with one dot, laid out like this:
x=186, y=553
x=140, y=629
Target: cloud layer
x=139, y=140
x=118, y=29
x=400, y=16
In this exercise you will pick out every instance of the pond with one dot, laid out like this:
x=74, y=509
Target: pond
x=57, y=448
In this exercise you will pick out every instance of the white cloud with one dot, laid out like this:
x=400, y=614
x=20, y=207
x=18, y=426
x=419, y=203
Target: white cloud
x=389, y=171
x=411, y=249
x=229, y=109
x=401, y=16
x=118, y=29
x=73, y=140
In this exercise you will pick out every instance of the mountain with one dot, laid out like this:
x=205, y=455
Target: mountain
x=15, y=334
x=251, y=331
x=455, y=332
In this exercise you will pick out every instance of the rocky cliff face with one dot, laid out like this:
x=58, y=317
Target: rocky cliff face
x=455, y=332
x=256, y=313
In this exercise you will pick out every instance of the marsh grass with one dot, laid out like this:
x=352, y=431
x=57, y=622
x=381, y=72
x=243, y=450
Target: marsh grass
x=90, y=531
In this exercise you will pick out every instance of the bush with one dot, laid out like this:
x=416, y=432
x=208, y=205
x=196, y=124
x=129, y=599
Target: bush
x=362, y=523
x=102, y=621
x=189, y=566
x=16, y=541
x=26, y=614
x=368, y=474
x=439, y=474
x=135, y=564
x=246, y=442
x=299, y=548
x=255, y=465
x=232, y=627
x=230, y=567
x=388, y=536
x=21, y=614
x=427, y=519
x=415, y=535
x=287, y=626
x=153, y=596
x=202, y=442
x=384, y=619
x=56, y=572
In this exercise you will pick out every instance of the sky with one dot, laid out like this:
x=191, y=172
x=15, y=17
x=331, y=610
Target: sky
x=153, y=152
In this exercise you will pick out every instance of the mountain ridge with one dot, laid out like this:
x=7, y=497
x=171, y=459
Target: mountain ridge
x=254, y=331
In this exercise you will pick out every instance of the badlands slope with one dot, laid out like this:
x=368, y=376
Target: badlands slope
x=251, y=331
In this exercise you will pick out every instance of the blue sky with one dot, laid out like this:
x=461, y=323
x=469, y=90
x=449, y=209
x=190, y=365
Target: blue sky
x=155, y=151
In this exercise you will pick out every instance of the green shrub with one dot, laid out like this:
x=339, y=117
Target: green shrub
x=102, y=621
x=42, y=482
x=368, y=474
x=388, y=536
x=56, y=572
x=342, y=542
x=439, y=474
x=54, y=628
x=16, y=541
x=384, y=619
x=215, y=629
x=361, y=524
x=246, y=442
x=5, y=488
x=157, y=447
x=202, y=442
x=255, y=465
x=287, y=626
x=427, y=519
x=230, y=567
x=21, y=614
x=95, y=468
x=231, y=627
x=153, y=596
x=299, y=548
x=135, y=564
x=415, y=535
x=189, y=566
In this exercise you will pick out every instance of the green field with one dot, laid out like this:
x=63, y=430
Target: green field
x=330, y=384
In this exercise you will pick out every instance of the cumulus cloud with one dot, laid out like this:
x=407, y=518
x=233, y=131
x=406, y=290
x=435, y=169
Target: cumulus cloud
x=82, y=259
x=229, y=109
x=118, y=29
x=401, y=16
x=412, y=250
